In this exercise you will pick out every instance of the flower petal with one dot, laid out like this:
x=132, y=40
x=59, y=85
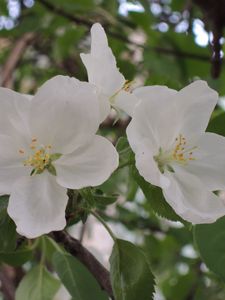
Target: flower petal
x=146, y=164
x=11, y=164
x=104, y=106
x=101, y=64
x=171, y=113
x=14, y=113
x=90, y=165
x=64, y=112
x=153, y=118
x=143, y=144
x=190, y=199
x=37, y=205
x=125, y=101
x=209, y=163
x=195, y=104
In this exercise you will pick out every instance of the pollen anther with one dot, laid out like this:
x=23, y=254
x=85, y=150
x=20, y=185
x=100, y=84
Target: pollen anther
x=179, y=154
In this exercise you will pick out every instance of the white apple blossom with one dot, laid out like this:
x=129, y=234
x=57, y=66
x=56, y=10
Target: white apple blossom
x=173, y=151
x=104, y=74
x=48, y=144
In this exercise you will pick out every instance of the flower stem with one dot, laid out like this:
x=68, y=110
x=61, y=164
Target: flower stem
x=100, y=219
x=126, y=163
x=43, y=250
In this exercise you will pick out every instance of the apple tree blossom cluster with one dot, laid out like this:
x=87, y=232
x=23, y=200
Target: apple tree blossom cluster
x=49, y=143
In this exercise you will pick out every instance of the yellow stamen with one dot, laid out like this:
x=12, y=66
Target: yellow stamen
x=40, y=159
x=127, y=86
x=180, y=153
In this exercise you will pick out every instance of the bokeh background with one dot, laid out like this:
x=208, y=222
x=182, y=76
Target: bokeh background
x=163, y=42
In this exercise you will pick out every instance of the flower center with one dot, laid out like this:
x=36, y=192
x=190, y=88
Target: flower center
x=40, y=158
x=180, y=154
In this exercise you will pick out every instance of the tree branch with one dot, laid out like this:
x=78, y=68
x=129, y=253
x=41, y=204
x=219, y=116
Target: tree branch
x=7, y=286
x=62, y=13
x=14, y=58
x=214, y=14
x=74, y=247
x=82, y=232
x=87, y=23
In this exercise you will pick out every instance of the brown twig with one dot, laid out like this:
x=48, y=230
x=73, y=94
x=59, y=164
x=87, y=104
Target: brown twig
x=82, y=232
x=14, y=58
x=214, y=16
x=160, y=50
x=7, y=286
x=74, y=247
x=188, y=6
x=109, y=122
x=216, y=56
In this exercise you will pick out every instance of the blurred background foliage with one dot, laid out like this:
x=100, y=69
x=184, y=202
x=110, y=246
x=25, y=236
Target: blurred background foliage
x=155, y=42
x=163, y=42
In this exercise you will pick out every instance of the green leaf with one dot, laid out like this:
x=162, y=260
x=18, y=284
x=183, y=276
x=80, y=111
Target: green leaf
x=38, y=284
x=74, y=6
x=131, y=275
x=216, y=125
x=51, y=170
x=103, y=200
x=50, y=247
x=4, y=202
x=4, y=8
x=7, y=232
x=142, y=19
x=126, y=156
x=122, y=144
x=156, y=199
x=55, y=156
x=184, y=285
x=87, y=194
x=77, y=279
x=64, y=44
x=16, y=258
x=210, y=240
